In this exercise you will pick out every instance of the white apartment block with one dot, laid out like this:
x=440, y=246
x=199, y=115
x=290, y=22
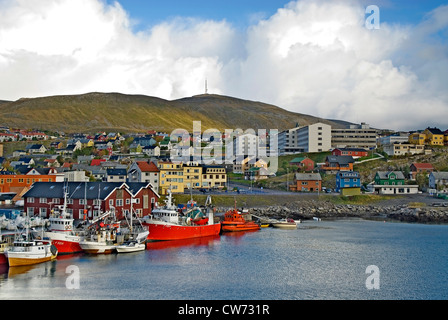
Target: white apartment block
x=313, y=138
x=246, y=145
x=287, y=142
x=355, y=136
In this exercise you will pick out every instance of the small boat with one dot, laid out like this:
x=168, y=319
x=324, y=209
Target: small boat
x=285, y=224
x=24, y=253
x=133, y=245
x=27, y=251
x=102, y=241
x=234, y=221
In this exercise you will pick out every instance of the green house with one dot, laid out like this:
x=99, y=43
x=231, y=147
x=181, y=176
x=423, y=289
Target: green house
x=389, y=178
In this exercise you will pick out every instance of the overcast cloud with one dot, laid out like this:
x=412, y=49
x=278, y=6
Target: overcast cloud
x=312, y=57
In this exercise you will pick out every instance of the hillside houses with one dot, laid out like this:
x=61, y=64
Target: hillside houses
x=148, y=158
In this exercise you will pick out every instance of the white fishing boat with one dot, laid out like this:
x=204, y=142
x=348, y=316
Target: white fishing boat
x=26, y=251
x=285, y=224
x=101, y=242
x=133, y=245
x=23, y=252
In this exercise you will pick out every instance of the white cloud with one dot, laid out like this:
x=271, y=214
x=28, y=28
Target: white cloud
x=313, y=57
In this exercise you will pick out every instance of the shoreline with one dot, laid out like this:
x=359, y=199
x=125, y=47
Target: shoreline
x=410, y=208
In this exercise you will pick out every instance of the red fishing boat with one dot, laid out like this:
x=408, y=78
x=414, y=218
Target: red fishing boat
x=235, y=221
x=62, y=232
x=170, y=223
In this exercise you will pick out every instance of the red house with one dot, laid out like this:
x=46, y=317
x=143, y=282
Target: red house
x=90, y=199
x=353, y=152
x=303, y=163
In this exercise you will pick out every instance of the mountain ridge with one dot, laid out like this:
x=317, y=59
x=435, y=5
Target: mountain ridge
x=98, y=111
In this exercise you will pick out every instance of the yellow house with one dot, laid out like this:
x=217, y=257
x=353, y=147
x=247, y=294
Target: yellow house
x=192, y=175
x=214, y=177
x=417, y=138
x=248, y=163
x=434, y=136
x=171, y=177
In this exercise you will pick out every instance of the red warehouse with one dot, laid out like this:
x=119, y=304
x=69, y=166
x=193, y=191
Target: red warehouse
x=90, y=199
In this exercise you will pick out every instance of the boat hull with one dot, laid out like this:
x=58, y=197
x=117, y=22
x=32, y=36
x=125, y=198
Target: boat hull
x=136, y=248
x=26, y=261
x=3, y=259
x=97, y=248
x=163, y=232
x=236, y=227
x=66, y=244
x=285, y=225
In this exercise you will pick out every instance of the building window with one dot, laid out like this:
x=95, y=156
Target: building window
x=43, y=200
x=30, y=200
x=119, y=202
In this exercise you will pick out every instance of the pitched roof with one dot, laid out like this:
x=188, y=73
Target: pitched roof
x=340, y=159
x=434, y=130
x=116, y=172
x=147, y=167
x=443, y=175
x=297, y=160
x=308, y=176
x=423, y=166
x=385, y=174
x=80, y=190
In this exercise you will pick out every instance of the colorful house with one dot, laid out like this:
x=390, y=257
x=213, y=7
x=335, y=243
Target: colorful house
x=348, y=182
x=417, y=138
x=417, y=168
x=338, y=163
x=17, y=182
x=434, y=136
x=303, y=163
x=306, y=182
x=353, y=152
x=391, y=182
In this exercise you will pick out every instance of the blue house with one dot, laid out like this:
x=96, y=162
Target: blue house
x=348, y=182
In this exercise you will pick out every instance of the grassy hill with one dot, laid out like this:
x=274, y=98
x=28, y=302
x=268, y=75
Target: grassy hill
x=135, y=113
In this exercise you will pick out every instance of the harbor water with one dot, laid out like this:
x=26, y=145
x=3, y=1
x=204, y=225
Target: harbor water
x=321, y=260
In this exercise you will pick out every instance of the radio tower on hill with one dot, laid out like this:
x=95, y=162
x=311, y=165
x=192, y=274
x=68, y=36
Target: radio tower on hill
x=206, y=89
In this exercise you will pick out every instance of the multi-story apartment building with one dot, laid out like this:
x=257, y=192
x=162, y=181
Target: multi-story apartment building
x=180, y=177
x=355, y=136
x=288, y=142
x=312, y=138
x=171, y=177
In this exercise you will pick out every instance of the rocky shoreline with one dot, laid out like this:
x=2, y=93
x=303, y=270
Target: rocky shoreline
x=306, y=210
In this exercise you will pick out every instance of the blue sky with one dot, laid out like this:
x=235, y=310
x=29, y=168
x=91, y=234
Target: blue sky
x=313, y=57
x=242, y=13
x=238, y=12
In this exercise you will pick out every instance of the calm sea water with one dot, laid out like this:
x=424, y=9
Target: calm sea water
x=318, y=261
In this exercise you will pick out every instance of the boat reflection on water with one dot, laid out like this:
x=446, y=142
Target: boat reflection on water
x=193, y=242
